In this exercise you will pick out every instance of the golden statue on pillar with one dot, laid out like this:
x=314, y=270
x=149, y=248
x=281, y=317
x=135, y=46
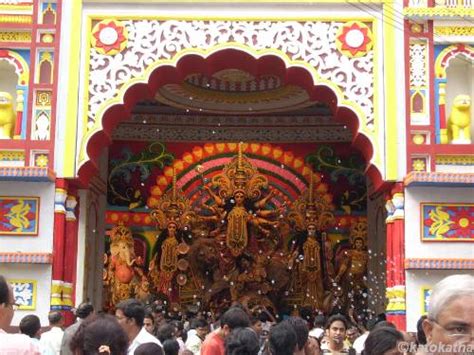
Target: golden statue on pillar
x=173, y=217
x=310, y=216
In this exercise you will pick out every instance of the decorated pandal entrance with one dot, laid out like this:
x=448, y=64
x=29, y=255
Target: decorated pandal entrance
x=201, y=226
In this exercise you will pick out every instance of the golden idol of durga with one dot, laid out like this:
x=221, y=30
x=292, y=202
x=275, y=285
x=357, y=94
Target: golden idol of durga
x=239, y=246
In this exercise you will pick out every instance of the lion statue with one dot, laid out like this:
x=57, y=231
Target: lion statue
x=459, y=122
x=203, y=258
x=7, y=116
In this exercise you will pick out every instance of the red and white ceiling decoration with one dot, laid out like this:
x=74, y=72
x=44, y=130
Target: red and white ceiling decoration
x=234, y=91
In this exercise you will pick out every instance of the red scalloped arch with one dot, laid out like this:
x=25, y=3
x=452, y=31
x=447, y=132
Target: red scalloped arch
x=21, y=66
x=224, y=59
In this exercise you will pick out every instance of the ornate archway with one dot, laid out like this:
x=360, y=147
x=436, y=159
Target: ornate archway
x=442, y=62
x=443, y=59
x=246, y=79
x=177, y=62
x=20, y=65
x=20, y=96
x=125, y=55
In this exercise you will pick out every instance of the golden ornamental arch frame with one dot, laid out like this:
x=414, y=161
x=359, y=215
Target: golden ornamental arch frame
x=381, y=152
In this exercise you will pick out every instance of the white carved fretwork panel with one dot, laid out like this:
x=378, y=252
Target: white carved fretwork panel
x=41, y=127
x=312, y=42
x=418, y=72
x=419, y=93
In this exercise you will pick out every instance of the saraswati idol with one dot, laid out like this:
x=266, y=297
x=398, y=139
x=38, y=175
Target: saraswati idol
x=310, y=254
x=173, y=217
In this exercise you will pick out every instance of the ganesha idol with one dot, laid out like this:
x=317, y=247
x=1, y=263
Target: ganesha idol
x=124, y=274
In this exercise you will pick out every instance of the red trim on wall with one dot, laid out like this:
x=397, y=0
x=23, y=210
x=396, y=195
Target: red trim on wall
x=16, y=26
x=31, y=86
x=27, y=144
x=439, y=264
x=423, y=149
x=466, y=179
x=54, y=94
x=16, y=45
x=25, y=258
x=438, y=149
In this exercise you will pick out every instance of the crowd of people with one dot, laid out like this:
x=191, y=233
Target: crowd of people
x=149, y=329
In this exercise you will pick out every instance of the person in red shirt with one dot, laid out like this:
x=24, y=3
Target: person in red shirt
x=214, y=344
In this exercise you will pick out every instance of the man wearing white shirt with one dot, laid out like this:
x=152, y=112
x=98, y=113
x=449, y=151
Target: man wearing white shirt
x=50, y=341
x=197, y=335
x=359, y=343
x=130, y=315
